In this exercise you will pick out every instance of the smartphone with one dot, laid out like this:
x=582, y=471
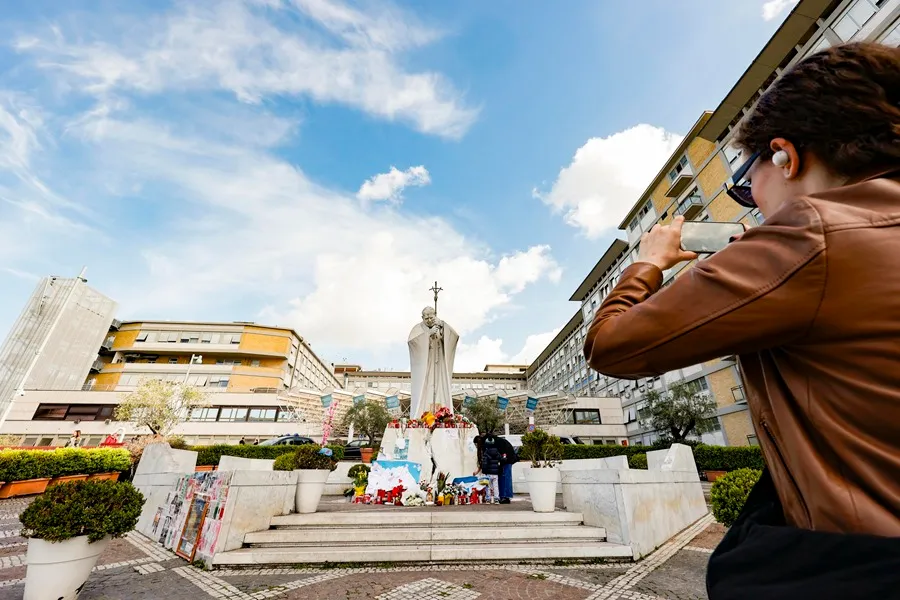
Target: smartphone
x=707, y=237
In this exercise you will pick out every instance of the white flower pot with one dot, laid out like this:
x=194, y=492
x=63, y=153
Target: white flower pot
x=58, y=570
x=310, y=485
x=542, y=488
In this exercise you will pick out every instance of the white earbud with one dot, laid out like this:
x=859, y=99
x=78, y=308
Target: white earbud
x=780, y=158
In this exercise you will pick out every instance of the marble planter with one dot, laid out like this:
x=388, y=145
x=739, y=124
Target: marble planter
x=542, y=488
x=310, y=486
x=60, y=569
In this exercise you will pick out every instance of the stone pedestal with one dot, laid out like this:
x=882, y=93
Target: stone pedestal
x=156, y=475
x=453, y=450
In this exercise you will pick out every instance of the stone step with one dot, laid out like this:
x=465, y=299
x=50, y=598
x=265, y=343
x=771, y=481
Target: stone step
x=422, y=553
x=438, y=518
x=417, y=535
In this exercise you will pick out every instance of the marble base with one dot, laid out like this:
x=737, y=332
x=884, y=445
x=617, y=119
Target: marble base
x=453, y=450
x=639, y=508
x=254, y=497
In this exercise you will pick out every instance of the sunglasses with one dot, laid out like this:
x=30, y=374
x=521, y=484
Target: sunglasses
x=741, y=193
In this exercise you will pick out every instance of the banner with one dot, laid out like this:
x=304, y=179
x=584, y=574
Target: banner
x=361, y=399
x=502, y=402
x=326, y=401
x=392, y=403
x=531, y=404
x=469, y=401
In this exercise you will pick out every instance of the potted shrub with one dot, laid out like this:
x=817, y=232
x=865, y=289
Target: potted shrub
x=107, y=463
x=729, y=494
x=69, y=464
x=359, y=474
x=313, y=465
x=25, y=472
x=544, y=451
x=68, y=528
x=370, y=419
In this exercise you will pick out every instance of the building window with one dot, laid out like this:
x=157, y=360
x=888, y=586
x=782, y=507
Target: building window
x=262, y=414
x=236, y=338
x=233, y=413
x=221, y=382
x=50, y=412
x=732, y=155
x=254, y=363
x=205, y=338
x=682, y=164
x=737, y=392
x=173, y=360
x=892, y=37
x=752, y=440
x=141, y=337
x=854, y=19
x=205, y=414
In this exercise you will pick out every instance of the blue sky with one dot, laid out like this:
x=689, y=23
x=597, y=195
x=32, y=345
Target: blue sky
x=318, y=163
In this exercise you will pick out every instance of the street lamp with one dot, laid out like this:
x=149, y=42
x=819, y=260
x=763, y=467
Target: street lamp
x=195, y=359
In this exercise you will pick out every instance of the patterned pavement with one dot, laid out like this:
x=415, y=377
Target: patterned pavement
x=133, y=568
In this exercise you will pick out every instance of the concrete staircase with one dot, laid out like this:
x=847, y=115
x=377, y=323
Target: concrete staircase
x=380, y=536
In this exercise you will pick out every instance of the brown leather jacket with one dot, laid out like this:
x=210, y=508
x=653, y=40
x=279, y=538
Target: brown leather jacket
x=810, y=302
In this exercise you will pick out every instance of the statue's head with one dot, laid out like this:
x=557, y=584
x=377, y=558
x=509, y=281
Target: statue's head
x=429, y=316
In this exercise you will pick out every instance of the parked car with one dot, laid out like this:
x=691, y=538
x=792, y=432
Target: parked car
x=288, y=440
x=351, y=449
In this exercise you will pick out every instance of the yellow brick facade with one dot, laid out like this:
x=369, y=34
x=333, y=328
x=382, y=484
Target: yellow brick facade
x=720, y=385
x=256, y=339
x=699, y=150
x=125, y=339
x=245, y=382
x=713, y=177
x=723, y=208
x=737, y=426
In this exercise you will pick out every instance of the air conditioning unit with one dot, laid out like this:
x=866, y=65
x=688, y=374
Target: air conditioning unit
x=115, y=324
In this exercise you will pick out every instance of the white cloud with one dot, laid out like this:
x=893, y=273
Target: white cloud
x=607, y=175
x=774, y=8
x=390, y=185
x=486, y=350
x=250, y=224
x=335, y=54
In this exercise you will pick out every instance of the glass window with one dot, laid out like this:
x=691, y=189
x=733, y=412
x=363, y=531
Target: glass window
x=233, y=413
x=236, y=338
x=262, y=414
x=204, y=414
x=732, y=154
x=854, y=19
x=205, y=338
x=84, y=412
x=254, y=363
x=50, y=412
x=673, y=174
x=141, y=337
x=892, y=37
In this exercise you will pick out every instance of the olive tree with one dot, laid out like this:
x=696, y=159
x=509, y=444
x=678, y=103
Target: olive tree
x=159, y=405
x=368, y=418
x=678, y=413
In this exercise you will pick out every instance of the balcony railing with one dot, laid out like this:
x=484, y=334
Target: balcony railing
x=690, y=207
x=737, y=392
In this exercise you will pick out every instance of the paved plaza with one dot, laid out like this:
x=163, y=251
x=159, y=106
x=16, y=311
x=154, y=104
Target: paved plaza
x=133, y=568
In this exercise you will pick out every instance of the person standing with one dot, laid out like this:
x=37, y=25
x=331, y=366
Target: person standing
x=75, y=441
x=810, y=303
x=489, y=461
x=508, y=458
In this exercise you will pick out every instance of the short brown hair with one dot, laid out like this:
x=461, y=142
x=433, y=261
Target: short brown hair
x=841, y=104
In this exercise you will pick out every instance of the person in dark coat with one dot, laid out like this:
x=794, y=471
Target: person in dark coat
x=508, y=458
x=489, y=462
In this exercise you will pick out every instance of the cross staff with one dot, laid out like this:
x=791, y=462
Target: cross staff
x=436, y=290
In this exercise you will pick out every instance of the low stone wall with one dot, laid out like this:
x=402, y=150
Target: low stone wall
x=156, y=475
x=637, y=507
x=254, y=497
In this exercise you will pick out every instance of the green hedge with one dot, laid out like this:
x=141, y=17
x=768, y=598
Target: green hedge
x=729, y=494
x=637, y=461
x=576, y=451
x=728, y=458
x=19, y=465
x=210, y=455
x=708, y=458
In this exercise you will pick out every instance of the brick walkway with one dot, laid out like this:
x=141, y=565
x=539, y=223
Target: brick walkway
x=135, y=569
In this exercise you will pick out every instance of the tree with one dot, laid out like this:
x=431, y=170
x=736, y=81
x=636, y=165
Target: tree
x=679, y=412
x=485, y=414
x=159, y=405
x=369, y=418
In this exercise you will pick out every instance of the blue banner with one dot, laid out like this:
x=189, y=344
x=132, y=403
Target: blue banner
x=469, y=401
x=326, y=401
x=359, y=399
x=531, y=404
x=392, y=402
x=502, y=402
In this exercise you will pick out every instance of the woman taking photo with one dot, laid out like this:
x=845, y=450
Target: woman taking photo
x=810, y=303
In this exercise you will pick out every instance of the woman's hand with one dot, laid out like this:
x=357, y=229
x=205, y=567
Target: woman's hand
x=661, y=246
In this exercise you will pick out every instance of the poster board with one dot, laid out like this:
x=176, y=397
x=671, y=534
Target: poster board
x=190, y=533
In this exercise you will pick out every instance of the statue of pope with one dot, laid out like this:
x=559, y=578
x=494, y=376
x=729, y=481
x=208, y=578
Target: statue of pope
x=432, y=348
